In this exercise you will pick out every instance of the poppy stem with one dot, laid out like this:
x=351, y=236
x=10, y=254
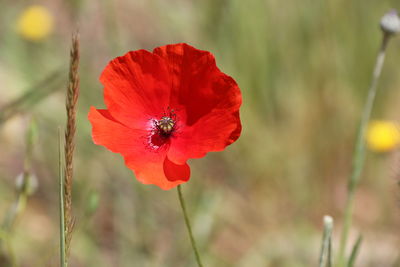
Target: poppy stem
x=189, y=227
x=359, y=151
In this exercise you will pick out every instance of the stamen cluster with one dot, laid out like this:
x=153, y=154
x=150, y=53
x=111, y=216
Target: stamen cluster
x=165, y=126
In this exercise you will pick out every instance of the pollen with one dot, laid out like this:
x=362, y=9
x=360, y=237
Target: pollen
x=166, y=125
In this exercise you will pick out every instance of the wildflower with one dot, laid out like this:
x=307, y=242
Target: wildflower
x=164, y=108
x=383, y=136
x=35, y=23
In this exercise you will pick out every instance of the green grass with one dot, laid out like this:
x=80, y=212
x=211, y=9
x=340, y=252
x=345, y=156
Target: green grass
x=303, y=68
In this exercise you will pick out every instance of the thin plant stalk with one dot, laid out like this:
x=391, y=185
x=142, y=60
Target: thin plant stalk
x=359, y=152
x=354, y=251
x=26, y=186
x=63, y=262
x=32, y=97
x=325, y=259
x=69, y=147
x=189, y=228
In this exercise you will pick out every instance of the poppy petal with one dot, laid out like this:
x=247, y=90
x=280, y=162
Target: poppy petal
x=113, y=135
x=150, y=170
x=146, y=163
x=210, y=134
x=198, y=86
x=210, y=99
x=176, y=172
x=136, y=87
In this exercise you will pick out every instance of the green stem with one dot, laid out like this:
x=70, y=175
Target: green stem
x=62, y=212
x=354, y=252
x=325, y=258
x=189, y=228
x=24, y=190
x=359, y=152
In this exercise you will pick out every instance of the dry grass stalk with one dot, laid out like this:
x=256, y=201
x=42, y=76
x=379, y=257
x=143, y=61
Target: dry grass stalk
x=71, y=101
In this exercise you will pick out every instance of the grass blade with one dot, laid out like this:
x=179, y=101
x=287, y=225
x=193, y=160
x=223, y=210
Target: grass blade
x=32, y=97
x=61, y=196
x=354, y=251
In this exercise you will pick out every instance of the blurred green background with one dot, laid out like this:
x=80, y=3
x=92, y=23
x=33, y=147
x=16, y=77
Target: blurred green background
x=303, y=68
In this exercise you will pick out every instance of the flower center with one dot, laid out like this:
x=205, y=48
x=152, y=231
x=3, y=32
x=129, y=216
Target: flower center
x=165, y=125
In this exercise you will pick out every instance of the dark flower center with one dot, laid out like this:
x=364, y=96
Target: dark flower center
x=165, y=125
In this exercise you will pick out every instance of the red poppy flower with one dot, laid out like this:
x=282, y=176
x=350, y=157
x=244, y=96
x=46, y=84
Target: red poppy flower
x=164, y=108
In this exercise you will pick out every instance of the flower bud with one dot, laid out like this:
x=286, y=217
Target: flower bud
x=26, y=183
x=390, y=22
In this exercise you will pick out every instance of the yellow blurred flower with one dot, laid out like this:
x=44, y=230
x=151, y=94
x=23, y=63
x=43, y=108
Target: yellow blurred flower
x=35, y=23
x=383, y=136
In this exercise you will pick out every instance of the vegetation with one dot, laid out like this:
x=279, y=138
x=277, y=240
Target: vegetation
x=304, y=68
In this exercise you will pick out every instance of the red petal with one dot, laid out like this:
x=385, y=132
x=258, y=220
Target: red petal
x=115, y=136
x=198, y=86
x=176, y=172
x=150, y=170
x=210, y=98
x=212, y=133
x=136, y=88
x=147, y=163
